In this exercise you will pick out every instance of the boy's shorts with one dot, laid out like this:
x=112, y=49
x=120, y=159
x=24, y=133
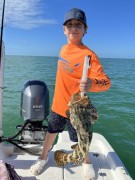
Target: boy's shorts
x=57, y=124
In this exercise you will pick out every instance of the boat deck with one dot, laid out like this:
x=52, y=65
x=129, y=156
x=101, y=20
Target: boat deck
x=107, y=164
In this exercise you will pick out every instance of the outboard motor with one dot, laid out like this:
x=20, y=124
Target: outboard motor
x=34, y=110
x=34, y=101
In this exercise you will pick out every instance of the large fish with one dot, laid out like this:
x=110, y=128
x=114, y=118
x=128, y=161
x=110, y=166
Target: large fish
x=81, y=114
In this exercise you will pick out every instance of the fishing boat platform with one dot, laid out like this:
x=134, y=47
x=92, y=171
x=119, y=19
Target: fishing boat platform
x=106, y=162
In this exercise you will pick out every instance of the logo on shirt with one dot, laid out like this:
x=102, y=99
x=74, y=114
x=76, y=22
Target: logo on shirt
x=67, y=66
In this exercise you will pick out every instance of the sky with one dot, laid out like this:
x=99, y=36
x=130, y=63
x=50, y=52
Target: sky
x=35, y=27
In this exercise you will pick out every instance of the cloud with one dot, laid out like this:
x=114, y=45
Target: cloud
x=26, y=14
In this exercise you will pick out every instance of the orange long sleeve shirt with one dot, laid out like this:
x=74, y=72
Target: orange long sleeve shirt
x=69, y=72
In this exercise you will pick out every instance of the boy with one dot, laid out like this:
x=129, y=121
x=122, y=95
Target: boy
x=69, y=72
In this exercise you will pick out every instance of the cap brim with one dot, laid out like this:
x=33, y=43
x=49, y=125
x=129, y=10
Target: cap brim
x=73, y=18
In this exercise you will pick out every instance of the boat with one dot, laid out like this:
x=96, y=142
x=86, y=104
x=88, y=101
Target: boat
x=23, y=148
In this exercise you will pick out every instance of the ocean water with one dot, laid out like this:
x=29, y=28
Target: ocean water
x=116, y=107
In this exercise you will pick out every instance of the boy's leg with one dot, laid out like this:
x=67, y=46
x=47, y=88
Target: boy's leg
x=38, y=165
x=56, y=125
x=48, y=142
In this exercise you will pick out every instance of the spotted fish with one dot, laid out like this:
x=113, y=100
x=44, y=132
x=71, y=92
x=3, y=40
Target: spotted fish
x=81, y=114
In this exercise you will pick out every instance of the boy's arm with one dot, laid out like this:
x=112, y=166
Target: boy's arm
x=100, y=81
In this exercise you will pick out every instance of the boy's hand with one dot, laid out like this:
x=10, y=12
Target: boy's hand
x=85, y=85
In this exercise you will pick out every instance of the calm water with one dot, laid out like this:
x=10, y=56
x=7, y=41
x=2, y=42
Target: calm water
x=116, y=107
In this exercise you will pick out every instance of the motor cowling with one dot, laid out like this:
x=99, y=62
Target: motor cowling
x=34, y=101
